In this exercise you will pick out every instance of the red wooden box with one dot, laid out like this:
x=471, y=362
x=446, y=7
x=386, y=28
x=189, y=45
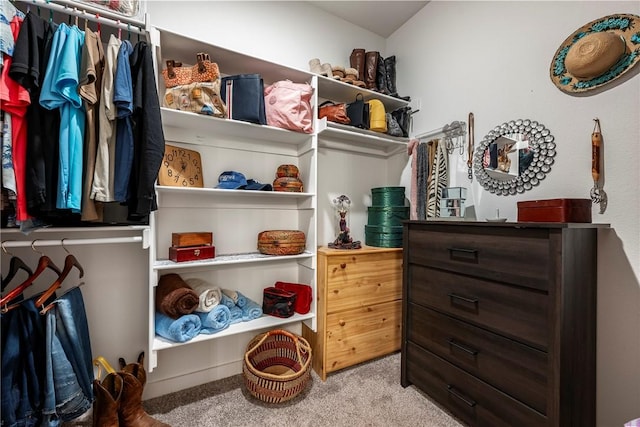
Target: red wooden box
x=555, y=210
x=192, y=253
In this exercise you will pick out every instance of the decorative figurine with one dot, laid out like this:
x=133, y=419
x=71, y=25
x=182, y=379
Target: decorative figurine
x=343, y=241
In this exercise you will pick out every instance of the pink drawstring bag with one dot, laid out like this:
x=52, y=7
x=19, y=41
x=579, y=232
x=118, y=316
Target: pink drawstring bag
x=288, y=106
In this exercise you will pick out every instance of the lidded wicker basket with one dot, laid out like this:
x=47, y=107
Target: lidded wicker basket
x=277, y=366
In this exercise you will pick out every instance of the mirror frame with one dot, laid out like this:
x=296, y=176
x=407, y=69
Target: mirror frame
x=540, y=141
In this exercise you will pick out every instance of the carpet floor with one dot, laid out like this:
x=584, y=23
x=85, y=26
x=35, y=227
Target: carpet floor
x=366, y=395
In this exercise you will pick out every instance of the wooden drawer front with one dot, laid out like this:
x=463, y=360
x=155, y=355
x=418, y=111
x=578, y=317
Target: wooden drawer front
x=520, y=313
x=516, y=369
x=522, y=259
x=472, y=400
x=362, y=334
x=361, y=280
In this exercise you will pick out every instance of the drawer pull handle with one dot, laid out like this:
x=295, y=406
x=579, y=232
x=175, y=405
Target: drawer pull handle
x=465, y=299
x=460, y=396
x=463, y=348
x=463, y=254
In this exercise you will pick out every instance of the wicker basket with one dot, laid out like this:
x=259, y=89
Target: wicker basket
x=277, y=366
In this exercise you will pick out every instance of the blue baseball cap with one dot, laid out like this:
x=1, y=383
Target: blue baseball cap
x=231, y=180
x=255, y=185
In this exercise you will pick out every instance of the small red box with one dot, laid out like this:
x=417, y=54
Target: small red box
x=192, y=253
x=555, y=210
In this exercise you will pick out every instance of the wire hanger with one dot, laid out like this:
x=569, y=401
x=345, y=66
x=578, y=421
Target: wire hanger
x=43, y=263
x=15, y=265
x=69, y=262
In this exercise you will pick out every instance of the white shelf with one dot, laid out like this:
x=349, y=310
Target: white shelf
x=263, y=322
x=198, y=128
x=227, y=259
x=349, y=138
x=232, y=193
x=338, y=91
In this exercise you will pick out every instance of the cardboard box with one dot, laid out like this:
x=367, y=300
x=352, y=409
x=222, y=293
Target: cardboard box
x=193, y=253
x=181, y=240
x=555, y=210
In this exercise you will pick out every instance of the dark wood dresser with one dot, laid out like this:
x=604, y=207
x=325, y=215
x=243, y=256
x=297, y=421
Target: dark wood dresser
x=499, y=320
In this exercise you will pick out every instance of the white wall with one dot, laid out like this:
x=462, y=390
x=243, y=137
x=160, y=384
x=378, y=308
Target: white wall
x=492, y=59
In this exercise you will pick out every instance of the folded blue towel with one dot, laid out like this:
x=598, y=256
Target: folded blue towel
x=181, y=329
x=241, y=300
x=216, y=320
x=236, y=314
x=251, y=310
x=227, y=301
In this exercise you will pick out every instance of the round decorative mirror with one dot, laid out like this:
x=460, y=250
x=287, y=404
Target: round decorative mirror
x=514, y=157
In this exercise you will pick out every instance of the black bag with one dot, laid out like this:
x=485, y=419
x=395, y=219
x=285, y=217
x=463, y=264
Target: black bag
x=278, y=302
x=244, y=96
x=358, y=112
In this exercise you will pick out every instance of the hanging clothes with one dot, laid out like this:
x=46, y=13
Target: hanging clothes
x=92, y=69
x=28, y=68
x=123, y=100
x=60, y=91
x=148, y=134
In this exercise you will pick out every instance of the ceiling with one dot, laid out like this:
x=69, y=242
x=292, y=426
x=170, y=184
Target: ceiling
x=379, y=17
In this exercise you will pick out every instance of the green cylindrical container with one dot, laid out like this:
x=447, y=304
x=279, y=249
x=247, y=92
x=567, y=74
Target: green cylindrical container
x=387, y=215
x=387, y=196
x=383, y=236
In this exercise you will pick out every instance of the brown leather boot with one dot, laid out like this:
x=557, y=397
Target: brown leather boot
x=371, y=69
x=131, y=413
x=357, y=61
x=107, y=400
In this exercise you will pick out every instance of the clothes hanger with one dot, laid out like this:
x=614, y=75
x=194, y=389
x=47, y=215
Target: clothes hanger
x=43, y=263
x=69, y=262
x=15, y=265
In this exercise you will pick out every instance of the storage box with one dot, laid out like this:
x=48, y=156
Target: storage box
x=281, y=242
x=192, y=253
x=454, y=193
x=555, y=210
x=180, y=240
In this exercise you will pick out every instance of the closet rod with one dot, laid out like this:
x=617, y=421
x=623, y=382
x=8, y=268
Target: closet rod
x=431, y=134
x=69, y=8
x=69, y=242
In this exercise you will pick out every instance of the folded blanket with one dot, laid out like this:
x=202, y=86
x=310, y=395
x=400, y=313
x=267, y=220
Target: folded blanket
x=208, y=294
x=239, y=299
x=174, y=297
x=251, y=310
x=216, y=320
x=227, y=301
x=181, y=329
x=235, y=314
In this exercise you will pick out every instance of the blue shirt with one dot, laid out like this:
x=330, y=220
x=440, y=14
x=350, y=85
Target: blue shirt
x=123, y=100
x=60, y=90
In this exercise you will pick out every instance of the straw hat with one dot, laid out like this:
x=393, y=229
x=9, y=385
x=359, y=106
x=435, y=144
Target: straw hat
x=597, y=53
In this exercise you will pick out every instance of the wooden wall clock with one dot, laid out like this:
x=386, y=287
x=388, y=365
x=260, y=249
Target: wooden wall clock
x=180, y=168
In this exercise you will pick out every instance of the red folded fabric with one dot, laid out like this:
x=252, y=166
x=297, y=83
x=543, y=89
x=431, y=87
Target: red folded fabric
x=304, y=293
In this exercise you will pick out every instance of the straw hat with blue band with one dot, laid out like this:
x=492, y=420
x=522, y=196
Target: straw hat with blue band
x=597, y=53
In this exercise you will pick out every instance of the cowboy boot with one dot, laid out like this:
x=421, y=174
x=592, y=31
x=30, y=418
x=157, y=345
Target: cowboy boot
x=390, y=73
x=381, y=77
x=131, y=413
x=370, y=69
x=357, y=61
x=107, y=401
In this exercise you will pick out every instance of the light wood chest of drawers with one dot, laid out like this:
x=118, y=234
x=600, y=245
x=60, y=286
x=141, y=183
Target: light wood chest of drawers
x=500, y=320
x=359, y=306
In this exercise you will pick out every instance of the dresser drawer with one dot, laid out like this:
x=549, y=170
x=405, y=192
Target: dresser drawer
x=358, y=280
x=472, y=400
x=515, y=256
x=361, y=334
x=516, y=369
x=519, y=313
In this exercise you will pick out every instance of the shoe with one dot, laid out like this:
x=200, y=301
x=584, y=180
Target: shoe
x=338, y=72
x=326, y=70
x=381, y=77
x=107, y=395
x=370, y=69
x=315, y=67
x=351, y=77
x=356, y=60
x=131, y=413
x=390, y=73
